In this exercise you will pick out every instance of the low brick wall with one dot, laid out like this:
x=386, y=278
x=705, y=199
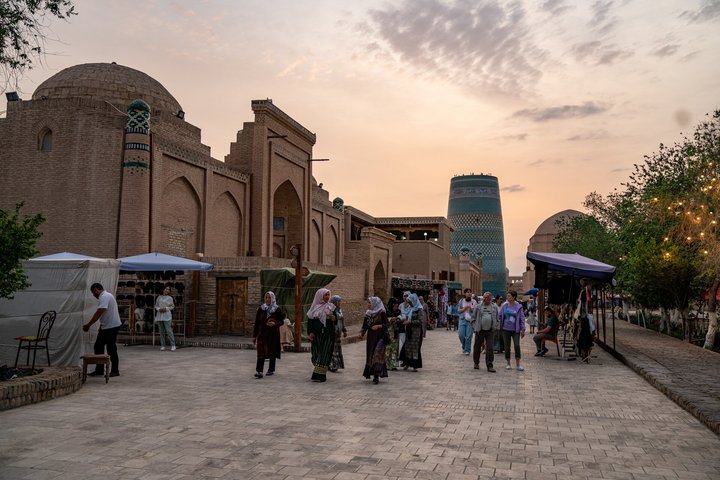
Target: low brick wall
x=53, y=382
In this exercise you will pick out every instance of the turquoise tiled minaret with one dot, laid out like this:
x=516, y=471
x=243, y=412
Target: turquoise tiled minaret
x=475, y=211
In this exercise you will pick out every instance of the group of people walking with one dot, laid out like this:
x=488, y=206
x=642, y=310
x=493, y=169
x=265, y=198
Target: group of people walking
x=394, y=335
x=498, y=327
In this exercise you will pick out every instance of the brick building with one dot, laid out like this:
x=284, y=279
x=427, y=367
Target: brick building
x=104, y=152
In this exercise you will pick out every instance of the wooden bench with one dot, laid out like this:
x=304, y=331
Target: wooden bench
x=102, y=359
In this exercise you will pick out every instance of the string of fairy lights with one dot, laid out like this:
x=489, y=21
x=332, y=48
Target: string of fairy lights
x=699, y=223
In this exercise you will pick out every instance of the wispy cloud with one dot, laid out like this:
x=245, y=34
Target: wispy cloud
x=708, y=12
x=542, y=161
x=555, y=7
x=620, y=169
x=603, y=20
x=599, y=53
x=666, y=50
x=561, y=113
x=485, y=45
x=513, y=188
x=292, y=67
x=520, y=137
x=594, y=135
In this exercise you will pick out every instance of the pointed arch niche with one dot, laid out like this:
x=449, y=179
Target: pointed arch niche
x=331, y=247
x=225, y=237
x=180, y=218
x=315, y=255
x=379, y=281
x=287, y=221
x=45, y=139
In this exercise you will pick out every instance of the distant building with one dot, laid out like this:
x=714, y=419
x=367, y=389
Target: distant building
x=105, y=153
x=542, y=241
x=474, y=209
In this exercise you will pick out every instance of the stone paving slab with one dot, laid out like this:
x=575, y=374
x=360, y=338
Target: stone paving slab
x=199, y=413
x=686, y=373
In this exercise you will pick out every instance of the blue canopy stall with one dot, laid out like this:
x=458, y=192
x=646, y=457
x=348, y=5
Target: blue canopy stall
x=549, y=266
x=165, y=267
x=158, y=262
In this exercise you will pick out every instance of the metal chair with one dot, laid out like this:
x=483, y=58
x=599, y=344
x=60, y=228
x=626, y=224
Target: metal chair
x=34, y=341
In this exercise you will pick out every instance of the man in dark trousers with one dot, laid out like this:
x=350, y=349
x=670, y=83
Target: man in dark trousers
x=109, y=316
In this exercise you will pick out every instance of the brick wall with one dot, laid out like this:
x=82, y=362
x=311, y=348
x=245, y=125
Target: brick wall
x=76, y=184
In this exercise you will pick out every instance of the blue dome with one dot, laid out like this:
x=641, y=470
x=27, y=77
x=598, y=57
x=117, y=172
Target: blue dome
x=138, y=104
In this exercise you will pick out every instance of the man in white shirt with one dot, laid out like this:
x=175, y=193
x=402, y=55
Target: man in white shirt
x=109, y=316
x=466, y=306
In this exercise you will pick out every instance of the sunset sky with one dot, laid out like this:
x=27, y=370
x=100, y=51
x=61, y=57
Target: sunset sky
x=557, y=98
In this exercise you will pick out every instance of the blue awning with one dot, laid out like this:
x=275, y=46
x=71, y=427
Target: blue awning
x=573, y=264
x=154, y=262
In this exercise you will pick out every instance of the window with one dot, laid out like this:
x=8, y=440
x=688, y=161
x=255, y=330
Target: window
x=279, y=224
x=46, y=140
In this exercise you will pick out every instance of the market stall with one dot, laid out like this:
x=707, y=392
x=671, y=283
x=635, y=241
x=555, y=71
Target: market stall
x=142, y=279
x=565, y=278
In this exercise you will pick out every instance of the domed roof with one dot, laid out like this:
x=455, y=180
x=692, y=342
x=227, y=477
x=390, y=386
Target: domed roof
x=108, y=81
x=548, y=227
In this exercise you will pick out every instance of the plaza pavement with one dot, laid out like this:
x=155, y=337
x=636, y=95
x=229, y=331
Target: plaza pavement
x=687, y=374
x=198, y=412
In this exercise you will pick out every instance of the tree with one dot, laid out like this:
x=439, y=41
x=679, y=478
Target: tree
x=678, y=189
x=587, y=236
x=17, y=243
x=24, y=26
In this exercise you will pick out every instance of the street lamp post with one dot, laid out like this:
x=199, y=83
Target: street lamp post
x=296, y=252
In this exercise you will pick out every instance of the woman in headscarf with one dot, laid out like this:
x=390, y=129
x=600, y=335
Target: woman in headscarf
x=340, y=331
x=391, y=350
x=375, y=326
x=266, y=334
x=404, y=305
x=321, y=333
x=413, y=320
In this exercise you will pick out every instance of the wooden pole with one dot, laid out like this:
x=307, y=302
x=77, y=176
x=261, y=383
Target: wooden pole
x=297, y=253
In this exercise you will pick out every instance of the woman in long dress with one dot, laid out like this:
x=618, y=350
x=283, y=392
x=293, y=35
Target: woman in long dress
x=321, y=333
x=412, y=319
x=391, y=350
x=375, y=326
x=337, y=360
x=266, y=334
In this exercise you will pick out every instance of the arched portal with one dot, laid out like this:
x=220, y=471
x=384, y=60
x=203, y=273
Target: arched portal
x=380, y=281
x=287, y=221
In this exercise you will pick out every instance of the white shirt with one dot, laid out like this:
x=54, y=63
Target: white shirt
x=472, y=303
x=164, y=301
x=111, y=316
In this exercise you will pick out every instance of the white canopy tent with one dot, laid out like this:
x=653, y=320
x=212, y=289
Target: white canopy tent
x=61, y=283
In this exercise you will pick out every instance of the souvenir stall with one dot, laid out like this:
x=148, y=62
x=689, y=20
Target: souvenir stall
x=579, y=287
x=142, y=279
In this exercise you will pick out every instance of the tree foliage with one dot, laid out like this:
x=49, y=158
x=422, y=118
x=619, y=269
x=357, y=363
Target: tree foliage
x=17, y=243
x=24, y=27
x=587, y=236
x=663, y=226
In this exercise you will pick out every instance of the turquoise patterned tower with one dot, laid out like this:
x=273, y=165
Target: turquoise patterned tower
x=474, y=208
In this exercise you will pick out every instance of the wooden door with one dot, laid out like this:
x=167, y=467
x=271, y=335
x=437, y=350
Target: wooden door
x=231, y=301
